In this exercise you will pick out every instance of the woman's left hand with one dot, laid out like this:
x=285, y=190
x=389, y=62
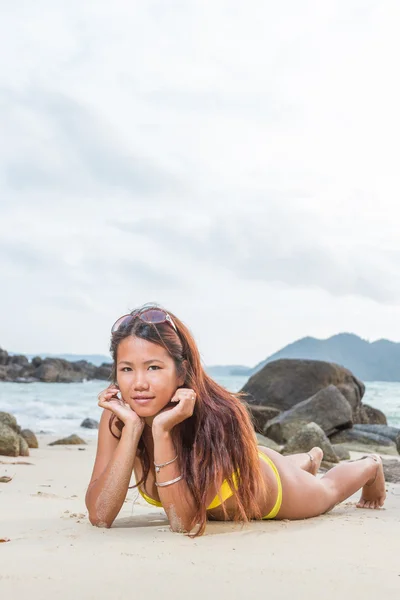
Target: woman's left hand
x=185, y=400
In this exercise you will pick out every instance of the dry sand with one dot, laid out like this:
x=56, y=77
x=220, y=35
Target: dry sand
x=54, y=552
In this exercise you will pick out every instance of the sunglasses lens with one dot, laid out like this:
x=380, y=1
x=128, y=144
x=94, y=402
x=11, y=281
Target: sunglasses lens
x=153, y=316
x=120, y=322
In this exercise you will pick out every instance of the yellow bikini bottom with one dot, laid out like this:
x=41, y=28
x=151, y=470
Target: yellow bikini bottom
x=225, y=491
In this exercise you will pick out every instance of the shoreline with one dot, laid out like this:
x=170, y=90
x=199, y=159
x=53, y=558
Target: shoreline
x=53, y=549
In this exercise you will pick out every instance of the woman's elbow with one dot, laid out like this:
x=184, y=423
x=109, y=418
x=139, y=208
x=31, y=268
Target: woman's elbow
x=97, y=521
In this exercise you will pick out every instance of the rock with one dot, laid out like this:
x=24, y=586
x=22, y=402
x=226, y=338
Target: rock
x=264, y=441
x=18, y=368
x=261, y=415
x=371, y=415
x=9, y=440
x=103, y=372
x=72, y=440
x=30, y=438
x=363, y=441
x=36, y=361
x=23, y=447
x=393, y=433
x=391, y=469
x=328, y=408
x=10, y=421
x=3, y=357
x=18, y=359
x=286, y=382
x=90, y=424
x=341, y=452
x=306, y=438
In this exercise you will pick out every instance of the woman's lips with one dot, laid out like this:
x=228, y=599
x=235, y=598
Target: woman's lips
x=143, y=400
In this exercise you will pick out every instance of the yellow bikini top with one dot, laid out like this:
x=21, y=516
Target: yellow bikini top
x=226, y=492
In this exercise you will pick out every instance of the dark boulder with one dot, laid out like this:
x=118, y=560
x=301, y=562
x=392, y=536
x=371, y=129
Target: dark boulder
x=328, y=408
x=286, y=382
x=90, y=424
x=260, y=415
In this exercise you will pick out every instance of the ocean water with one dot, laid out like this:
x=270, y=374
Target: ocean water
x=59, y=408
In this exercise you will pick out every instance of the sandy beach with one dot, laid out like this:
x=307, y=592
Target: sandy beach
x=53, y=549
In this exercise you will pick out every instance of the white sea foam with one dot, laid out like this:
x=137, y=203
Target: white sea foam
x=59, y=408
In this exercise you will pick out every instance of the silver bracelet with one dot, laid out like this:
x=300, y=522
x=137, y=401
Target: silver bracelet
x=169, y=482
x=159, y=467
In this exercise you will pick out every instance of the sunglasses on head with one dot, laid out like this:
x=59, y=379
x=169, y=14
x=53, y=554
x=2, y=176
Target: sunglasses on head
x=147, y=315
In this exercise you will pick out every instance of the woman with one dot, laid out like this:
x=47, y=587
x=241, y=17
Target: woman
x=192, y=445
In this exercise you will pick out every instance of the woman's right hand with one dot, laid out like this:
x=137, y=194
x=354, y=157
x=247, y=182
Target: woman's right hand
x=108, y=399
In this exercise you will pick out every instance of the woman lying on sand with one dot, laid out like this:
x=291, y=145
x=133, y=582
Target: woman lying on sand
x=192, y=445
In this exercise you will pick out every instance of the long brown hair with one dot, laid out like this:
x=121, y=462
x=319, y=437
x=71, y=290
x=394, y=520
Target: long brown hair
x=218, y=440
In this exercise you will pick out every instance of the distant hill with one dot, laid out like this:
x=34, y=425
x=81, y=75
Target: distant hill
x=369, y=361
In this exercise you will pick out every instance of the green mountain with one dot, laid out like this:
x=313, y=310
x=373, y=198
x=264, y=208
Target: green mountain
x=369, y=361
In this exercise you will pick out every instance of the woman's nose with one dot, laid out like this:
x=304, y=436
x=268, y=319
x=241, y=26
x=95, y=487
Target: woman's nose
x=140, y=383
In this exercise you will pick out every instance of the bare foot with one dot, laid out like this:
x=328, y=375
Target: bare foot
x=374, y=492
x=316, y=456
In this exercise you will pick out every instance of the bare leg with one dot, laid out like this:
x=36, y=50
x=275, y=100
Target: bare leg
x=308, y=461
x=306, y=496
x=347, y=478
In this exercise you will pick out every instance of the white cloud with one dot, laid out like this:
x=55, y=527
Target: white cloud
x=236, y=162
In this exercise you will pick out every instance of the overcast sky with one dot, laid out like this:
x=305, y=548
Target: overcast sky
x=237, y=162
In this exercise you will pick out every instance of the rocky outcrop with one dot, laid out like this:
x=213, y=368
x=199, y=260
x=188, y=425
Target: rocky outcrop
x=363, y=441
x=50, y=370
x=11, y=441
x=328, y=408
x=306, y=438
x=393, y=433
x=284, y=383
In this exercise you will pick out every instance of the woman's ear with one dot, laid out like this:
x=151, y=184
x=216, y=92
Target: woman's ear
x=182, y=377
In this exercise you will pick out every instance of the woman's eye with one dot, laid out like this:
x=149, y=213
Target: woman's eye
x=154, y=367
x=126, y=369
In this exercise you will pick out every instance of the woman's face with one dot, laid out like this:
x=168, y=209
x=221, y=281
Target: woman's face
x=146, y=376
